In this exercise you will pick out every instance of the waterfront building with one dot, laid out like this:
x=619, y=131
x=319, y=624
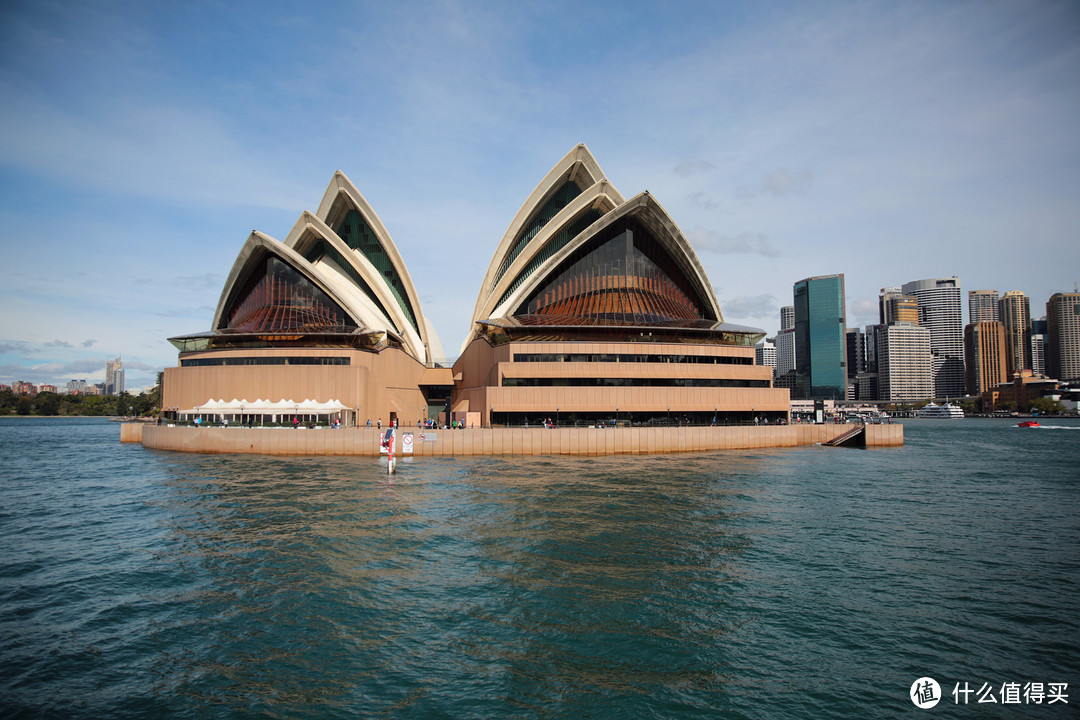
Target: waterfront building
x=765, y=353
x=1063, y=336
x=984, y=347
x=904, y=363
x=76, y=387
x=820, y=341
x=1018, y=392
x=595, y=309
x=983, y=306
x=941, y=312
x=47, y=388
x=327, y=321
x=1014, y=309
x=1038, y=346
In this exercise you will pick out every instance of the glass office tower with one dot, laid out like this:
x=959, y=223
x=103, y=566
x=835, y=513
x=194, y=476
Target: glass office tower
x=820, y=337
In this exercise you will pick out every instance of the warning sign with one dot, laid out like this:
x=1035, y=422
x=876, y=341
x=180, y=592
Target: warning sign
x=406, y=443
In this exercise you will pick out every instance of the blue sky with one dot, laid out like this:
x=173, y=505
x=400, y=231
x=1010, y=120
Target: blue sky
x=142, y=142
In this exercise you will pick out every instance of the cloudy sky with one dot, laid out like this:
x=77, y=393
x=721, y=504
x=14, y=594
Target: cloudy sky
x=140, y=143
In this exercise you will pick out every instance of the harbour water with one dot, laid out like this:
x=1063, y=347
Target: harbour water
x=796, y=583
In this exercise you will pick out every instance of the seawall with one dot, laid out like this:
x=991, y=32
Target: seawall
x=498, y=441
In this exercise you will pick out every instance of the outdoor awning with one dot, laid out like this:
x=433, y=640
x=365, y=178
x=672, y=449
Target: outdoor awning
x=266, y=407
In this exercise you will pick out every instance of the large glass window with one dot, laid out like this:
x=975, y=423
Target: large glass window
x=623, y=276
x=552, y=246
x=358, y=235
x=635, y=382
x=558, y=200
x=278, y=297
x=320, y=249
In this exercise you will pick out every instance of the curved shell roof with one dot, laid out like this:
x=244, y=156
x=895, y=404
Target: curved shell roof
x=572, y=209
x=344, y=259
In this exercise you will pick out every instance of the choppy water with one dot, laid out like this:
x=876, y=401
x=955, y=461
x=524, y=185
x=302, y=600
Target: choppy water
x=798, y=583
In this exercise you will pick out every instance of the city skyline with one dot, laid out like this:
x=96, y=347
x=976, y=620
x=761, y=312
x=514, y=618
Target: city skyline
x=879, y=142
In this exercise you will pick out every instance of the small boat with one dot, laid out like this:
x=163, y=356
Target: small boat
x=1029, y=423
x=947, y=410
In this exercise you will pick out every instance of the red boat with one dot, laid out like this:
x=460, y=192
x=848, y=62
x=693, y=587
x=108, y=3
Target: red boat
x=1028, y=423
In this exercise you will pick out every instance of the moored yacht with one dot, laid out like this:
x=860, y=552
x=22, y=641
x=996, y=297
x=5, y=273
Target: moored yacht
x=946, y=411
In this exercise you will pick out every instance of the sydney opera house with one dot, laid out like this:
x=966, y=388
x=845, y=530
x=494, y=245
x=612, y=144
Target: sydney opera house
x=594, y=309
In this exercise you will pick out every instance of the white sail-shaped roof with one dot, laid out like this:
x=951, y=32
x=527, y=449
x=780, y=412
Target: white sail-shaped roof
x=571, y=207
x=362, y=275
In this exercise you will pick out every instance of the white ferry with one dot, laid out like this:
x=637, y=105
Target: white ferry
x=946, y=411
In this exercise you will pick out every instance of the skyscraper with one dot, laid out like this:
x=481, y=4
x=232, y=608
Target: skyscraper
x=984, y=345
x=1014, y=309
x=114, y=377
x=1063, y=336
x=787, y=317
x=785, y=342
x=1038, y=346
x=894, y=306
x=765, y=353
x=982, y=306
x=941, y=311
x=820, y=340
x=903, y=362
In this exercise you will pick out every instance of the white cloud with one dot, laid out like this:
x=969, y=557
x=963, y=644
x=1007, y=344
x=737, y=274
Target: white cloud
x=750, y=306
x=751, y=243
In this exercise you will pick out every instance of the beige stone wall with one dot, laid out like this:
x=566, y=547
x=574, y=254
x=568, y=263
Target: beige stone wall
x=397, y=389
x=481, y=370
x=507, y=441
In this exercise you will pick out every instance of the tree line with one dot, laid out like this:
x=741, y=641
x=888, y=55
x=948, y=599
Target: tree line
x=54, y=404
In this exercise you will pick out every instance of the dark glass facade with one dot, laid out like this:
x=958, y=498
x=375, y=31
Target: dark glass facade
x=277, y=297
x=632, y=358
x=820, y=337
x=558, y=200
x=358, y=235
x=320, y=249
x=552, y=246
x=261, y=360
x=622, y=276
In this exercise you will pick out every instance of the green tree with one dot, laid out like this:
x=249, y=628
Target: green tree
x=24, y=405
x=47, y=403
x=1046, y=406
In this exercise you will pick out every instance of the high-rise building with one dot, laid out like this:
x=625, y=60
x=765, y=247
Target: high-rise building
x=894, y=306
x=1014, y=309
x=785, y=342
x=856, y=352
x=982, y=306
x=903, y=363
x=114, y=377
x=787, y=317
x=785, y=352
x=941, y=311
x=820, y=342
x=984, y=346
x=1038, y=346
x=1063, y=336
x=765, y=353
